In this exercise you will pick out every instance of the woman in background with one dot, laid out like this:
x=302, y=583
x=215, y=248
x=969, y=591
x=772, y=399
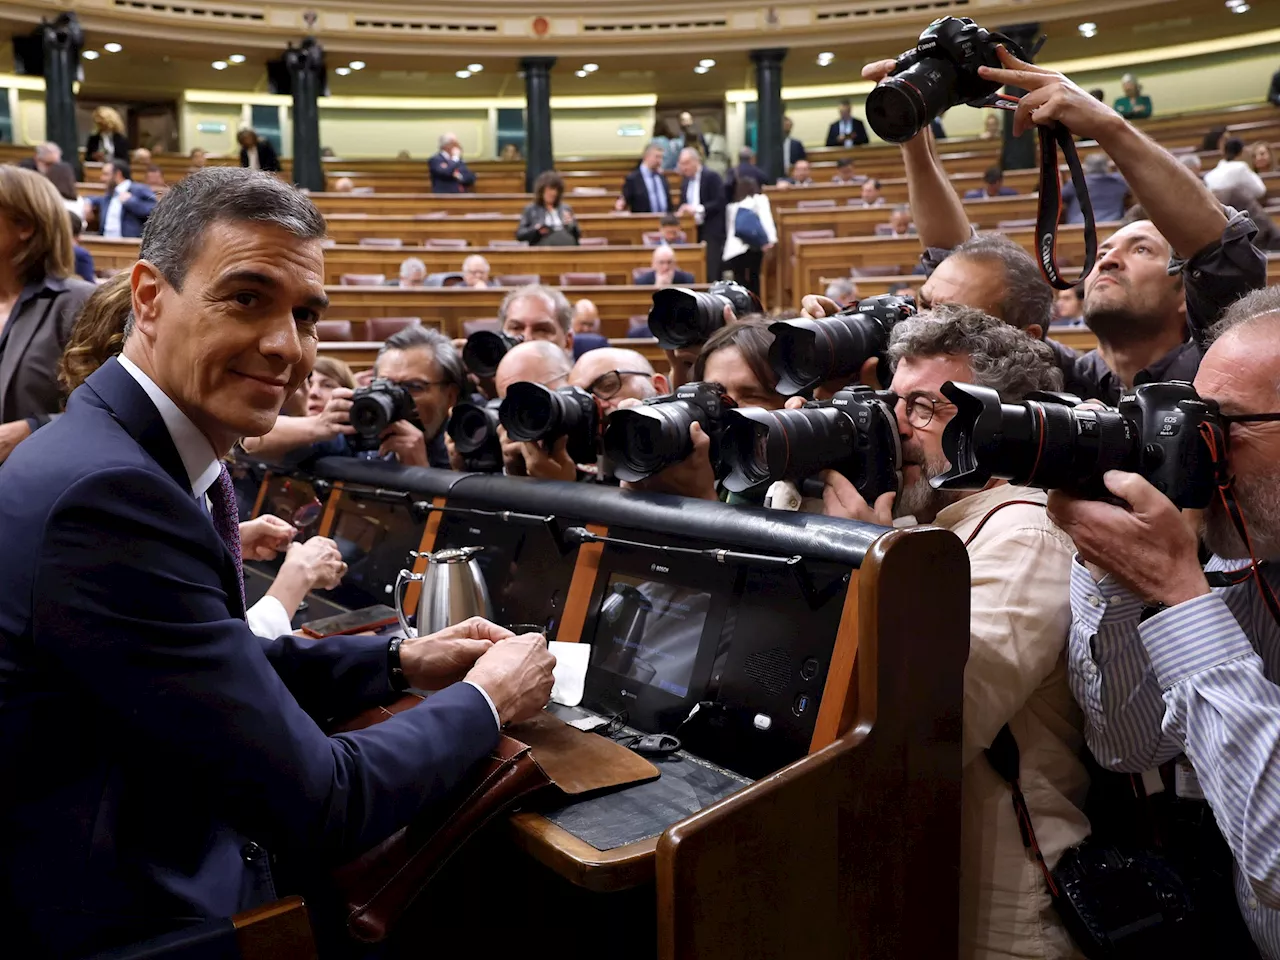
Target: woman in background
x=1261, y=158
x=327, y=375
x=744, y=255
x=63, y=179
x=547, y=222
x=1134, y=105
x=107, y=140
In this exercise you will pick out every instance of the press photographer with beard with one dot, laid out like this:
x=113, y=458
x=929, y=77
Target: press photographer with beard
x=1162, y=662
x=1020, y=614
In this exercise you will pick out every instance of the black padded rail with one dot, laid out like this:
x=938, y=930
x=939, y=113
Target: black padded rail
x=710, y=524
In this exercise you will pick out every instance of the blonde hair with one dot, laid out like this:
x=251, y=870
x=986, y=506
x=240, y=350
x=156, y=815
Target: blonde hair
x=99, y=331
x=30, y=200
x=335, y=369
x=108, y=120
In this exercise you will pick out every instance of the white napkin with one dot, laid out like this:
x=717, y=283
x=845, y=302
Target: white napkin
x=570, y=671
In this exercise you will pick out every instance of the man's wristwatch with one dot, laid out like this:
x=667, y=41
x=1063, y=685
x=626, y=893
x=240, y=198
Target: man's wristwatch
x=395, y=672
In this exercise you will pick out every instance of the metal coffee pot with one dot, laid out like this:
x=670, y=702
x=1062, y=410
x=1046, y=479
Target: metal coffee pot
x=453, y=589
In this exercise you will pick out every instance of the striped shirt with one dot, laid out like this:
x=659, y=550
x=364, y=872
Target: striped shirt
x=1199, y=678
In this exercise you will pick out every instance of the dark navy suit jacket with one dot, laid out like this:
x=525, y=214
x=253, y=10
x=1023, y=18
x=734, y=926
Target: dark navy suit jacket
x=133, y=216
x=150, y=745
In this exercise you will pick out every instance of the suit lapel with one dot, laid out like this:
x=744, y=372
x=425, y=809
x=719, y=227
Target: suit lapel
x=16, y=338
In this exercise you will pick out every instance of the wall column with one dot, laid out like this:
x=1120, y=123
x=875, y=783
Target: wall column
x=538, y=155
x=1019, y=153
x=769, y=111
x=62, y=42
x=306, y=75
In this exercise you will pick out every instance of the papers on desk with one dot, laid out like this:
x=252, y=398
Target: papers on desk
x=570, y=671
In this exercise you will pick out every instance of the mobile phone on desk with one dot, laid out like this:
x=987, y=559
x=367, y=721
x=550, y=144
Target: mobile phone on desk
x=353, y=621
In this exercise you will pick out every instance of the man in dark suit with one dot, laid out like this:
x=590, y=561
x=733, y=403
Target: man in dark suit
x=792, y=148
x=645, y=189
x=746, y=168
x=663, y=272
x=256, y=153
x=848, y=131
x=160, y=760
x=448, y=173
x=125, y=206
x=702, y=195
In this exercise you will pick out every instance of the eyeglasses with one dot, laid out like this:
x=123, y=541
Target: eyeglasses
x=417, y=388
x=1229, y=419
x=920, y=407
x=607, y=385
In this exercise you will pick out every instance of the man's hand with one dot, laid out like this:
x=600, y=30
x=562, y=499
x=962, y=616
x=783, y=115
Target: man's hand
x=567, y=217
x=124, y=198
x=877, y=71
x=556, y=465
x=263, y=538
x=316, y=563
x=815, y=307
x=512, y=454
x=12, y=434
x=1146, y=545
x=455, y=458
x=407, y=442
x=1051, y=98
x=684, y=210
x=691, y=477
x=516, y=673
x=841, y=499
x=435, y=661
x=335, y=419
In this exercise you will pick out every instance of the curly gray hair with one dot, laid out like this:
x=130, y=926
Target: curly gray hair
x=1248, y=310
x=1002, y=358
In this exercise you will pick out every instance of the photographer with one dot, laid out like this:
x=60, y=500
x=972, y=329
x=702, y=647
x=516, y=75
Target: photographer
x=1164, y=664
x=537, y=312
x=1016, y=675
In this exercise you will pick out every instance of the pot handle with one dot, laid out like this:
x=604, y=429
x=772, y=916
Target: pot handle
x=403, y=580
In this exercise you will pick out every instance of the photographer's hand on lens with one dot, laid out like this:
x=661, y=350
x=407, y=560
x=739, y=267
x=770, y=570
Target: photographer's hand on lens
x=335, y=419
x=455, y=458
x=516, y=673
x=1051, y=98
x=263, y=538
x=556, y=465
x=1146, y=546
x=816, y=307
x=407, y=442
x=512, y=455
x=692, y=477
x=841, y=499
x=877, y=71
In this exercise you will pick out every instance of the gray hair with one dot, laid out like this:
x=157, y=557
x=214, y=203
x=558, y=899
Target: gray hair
x=1095, y=164
x=476, y=259
x=553, y=298
x=1250, y=310
x=903, y=208
x=412, y=265
x=1002, y=358
x=1028, y=298
x=417, y=337
x=840, y=290
x=746, y=155
x=447, y=138
x=49, y=149
x=690, y=152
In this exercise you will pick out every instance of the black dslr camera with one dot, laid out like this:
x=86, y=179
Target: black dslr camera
x=644, y=440
x=376, y=407
x=532, y=413
x=854, y=433
x=1048, y=442
x=473, y=428
x=681, y=317
x=805, y=353
x=940, y=72
x=484, y=350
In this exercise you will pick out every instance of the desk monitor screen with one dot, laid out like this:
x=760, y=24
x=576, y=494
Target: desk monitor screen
x=374, y=539
x=650, y=631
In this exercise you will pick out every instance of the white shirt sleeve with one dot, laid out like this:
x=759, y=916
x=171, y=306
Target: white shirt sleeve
x=489, y=700
x=268, y=620
x=765, y=212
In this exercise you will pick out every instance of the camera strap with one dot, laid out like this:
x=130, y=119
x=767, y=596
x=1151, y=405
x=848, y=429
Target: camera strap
x=1049, y=211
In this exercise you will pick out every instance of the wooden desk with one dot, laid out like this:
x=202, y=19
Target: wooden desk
x=359, y=354
x=415, y=227
x=512, y=204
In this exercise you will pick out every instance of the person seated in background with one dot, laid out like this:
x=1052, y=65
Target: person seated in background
x=1098, y=94
x=992, y=186
x=107, y=142
x=1107, y=192
x=63, y=178
x=83, y=258
x=848, y=130
x=1213, y=140
x=1016, y=676
x=44, y=156
x=870, y=195
x=449, y=174
x=1261, y=159
x=141, y=158
x=902, y=289
x=155, y=180
x=123, y=209
x=198, y=157
x=586, y=328
x=1068, y=307
x=991, y=128
x=1232, y=174
x=475, y=273
x=328, y=374
x=548, y=221
x=792, y=149
x=413, y=272
x=257, y=153
x=537, y=312
x=645, y=189
x=800, y=175
x=403, y=155
x=845, y=172
x=842, y=291
x=510, y=154
x=900, y=221
x=327, y=153
x=1192, y=162
x=663, y=272
x=670, y=230
x=1134, y=105
x=746, y=168
x=343, y=185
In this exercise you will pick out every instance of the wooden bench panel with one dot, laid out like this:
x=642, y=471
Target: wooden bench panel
x=359, y=355
x=619, y=229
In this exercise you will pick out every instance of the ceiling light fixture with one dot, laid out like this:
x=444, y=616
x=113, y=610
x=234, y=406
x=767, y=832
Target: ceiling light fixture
x=1089, y=29
x=701, y=69
x=91, y=54
x=1240, y=8
x=581, y=73
x=462, y=74
x=219, y=64
x=475, y=67
x=356, y=64
x=112, y=47
x=343, y=71
x=591, y=67
x=707, y=63
x=236, y=58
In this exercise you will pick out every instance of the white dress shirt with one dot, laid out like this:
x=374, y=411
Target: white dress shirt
x=251, y=153
x=695, y=198
x=1235, y=175
x=115, y=210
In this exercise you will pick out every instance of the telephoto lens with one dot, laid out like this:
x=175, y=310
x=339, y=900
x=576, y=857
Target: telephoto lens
x=376, y=407
x=940, y=72
x=854, y=433
x=473, y=428
x=805, y=353
x=644, y=440
x=681, y=317
x=534, y=414
x=484, y=351
x=1047, y=441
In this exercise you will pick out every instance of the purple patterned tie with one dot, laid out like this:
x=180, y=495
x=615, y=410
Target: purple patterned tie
x=226, y=521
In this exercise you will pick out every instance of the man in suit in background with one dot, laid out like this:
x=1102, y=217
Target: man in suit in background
x=645, y=189
x=185, y=747
x=792, y=149
x=848, y=131
x=448, y=173
x=702, y=195
x=125, y=206
x=663, y=272
x=586, y=328
x=746, y=168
